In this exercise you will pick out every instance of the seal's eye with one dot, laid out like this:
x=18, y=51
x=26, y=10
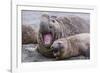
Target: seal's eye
x=53, y=21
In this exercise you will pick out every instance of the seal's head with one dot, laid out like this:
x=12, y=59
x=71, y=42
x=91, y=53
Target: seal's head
x=57, y=48
x=50, y=30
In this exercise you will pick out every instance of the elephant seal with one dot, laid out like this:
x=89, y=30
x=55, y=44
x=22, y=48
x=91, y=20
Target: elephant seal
x=54, y=27
x=72, y=46
x=29, y=35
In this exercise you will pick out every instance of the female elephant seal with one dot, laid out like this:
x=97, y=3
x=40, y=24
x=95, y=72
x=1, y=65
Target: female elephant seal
x=72, y=46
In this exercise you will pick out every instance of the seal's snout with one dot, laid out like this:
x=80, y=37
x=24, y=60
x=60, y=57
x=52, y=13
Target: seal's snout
x=56, y=48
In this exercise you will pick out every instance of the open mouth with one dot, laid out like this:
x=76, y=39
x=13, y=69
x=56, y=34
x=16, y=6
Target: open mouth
x=47, y=38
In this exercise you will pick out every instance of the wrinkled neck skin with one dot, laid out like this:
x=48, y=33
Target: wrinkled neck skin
x=44, y=50
x=73, y=48
x=47, y=52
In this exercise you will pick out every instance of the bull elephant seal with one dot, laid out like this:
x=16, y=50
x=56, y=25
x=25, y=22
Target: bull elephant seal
x=53, y=28
x=72, y=46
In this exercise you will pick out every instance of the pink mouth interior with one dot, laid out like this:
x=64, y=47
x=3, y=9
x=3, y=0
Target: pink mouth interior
x=47, y=38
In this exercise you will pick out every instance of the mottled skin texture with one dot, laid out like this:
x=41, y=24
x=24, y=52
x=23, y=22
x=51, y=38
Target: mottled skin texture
x=59, y=27
x=29, y=35
x=72, y=46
